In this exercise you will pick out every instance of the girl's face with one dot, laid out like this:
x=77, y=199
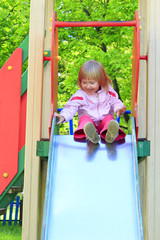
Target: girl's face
x=89, y=86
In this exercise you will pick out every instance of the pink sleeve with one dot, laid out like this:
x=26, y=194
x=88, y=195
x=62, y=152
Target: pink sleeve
x=71, y=107
x=113, y=92
x=116, y=104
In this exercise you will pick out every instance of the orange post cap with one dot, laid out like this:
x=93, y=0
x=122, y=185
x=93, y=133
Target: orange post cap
x=58, y=58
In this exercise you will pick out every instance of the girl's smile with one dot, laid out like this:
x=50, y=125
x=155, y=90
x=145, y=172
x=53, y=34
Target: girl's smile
x=89, y=86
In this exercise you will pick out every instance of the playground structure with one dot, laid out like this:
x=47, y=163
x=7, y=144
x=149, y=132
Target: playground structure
x=38, y=112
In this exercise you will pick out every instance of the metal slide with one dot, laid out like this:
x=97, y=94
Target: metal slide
x=92, y=191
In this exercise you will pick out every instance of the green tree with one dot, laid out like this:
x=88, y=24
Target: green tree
x=112, y=46
x=14, y=25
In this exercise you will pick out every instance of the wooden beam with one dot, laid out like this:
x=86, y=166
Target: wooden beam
x=31, y=204
x=157, y=121
x=153, y=126
x=150, y=208
x=142, y=103
x=46, y=106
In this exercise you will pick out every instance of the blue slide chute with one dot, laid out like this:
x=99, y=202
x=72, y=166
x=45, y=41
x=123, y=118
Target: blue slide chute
x=92, y=191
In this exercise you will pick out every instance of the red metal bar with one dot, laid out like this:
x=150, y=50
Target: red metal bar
x=137, y=72
x=145, y=57
x=46, y=58
x=50, y=121
x=136, y=121
x=52, y=71
x=96, y=24
x=52, y=55
x=138, y=55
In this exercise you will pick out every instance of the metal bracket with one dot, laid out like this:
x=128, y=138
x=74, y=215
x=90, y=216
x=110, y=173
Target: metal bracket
x=143, y=148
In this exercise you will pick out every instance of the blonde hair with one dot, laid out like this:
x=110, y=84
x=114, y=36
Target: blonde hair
x=94, y=70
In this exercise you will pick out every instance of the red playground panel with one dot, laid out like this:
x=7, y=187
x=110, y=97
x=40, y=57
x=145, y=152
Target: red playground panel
x=10, y=102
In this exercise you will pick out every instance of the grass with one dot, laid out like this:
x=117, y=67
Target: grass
x=10, y=232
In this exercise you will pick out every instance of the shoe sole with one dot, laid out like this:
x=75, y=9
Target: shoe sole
x=112, y=131
x=91, y=132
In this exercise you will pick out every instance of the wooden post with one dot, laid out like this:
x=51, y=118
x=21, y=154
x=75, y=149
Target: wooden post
x=142, y=103
x=31, y=204
x=46, y=108
x=46, y=105
x=153, y=122
x=149, y=116
x=38, y=115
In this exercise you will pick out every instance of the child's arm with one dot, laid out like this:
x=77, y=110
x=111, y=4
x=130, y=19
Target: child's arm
x=118, y=106
x=71, y=107
x=60, y=118
x=120, y=111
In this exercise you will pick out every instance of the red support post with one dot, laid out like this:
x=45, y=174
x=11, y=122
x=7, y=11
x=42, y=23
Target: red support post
x=54, y=69
x=135, y=71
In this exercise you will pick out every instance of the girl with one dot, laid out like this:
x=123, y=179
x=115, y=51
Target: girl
x=96, y=102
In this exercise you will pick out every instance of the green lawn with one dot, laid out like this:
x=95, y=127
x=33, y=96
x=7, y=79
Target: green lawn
x=10, y=232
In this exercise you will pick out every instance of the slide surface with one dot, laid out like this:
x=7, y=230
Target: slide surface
x=92, y=191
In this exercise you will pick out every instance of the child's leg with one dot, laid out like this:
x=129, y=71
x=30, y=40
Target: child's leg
x=114, y=132
x=79, y=134
x=86, y=127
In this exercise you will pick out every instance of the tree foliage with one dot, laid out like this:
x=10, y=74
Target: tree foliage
x=14, y=25
x=112, y=46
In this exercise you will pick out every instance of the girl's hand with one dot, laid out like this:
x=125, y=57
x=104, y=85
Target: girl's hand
x=120, y=111
x=60, y=118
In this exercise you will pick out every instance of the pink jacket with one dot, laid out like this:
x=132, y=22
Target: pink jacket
x=96, y=106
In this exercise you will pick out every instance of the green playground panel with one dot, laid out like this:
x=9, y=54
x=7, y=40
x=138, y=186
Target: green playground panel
x=143, y=148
